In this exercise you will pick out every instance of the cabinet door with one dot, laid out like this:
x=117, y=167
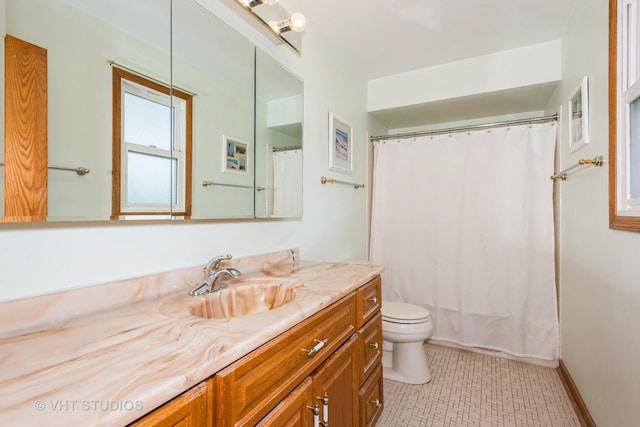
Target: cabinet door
x=187, y=410
x=293, y=411
x=337, y=380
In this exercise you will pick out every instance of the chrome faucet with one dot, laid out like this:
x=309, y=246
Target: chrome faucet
x=212, y=274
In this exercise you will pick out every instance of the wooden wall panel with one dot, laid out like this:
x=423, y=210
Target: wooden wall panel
x=25, y=139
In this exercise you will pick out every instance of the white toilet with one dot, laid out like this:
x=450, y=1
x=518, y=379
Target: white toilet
x=405, y=327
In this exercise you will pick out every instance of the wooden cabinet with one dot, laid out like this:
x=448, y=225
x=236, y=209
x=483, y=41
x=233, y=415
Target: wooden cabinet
x=329, y=366
x=370, y=398
x=369, y=323
x=249, y=388
x=187, y=410
x=368, y=301
x=330, y=393
x=293, y=410
x=335, y=387
x=369, y=347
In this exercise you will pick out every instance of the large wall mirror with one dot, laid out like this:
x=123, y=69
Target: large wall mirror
x=279, y=112
x=217, y=137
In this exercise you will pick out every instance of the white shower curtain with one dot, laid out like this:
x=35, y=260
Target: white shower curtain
x=287, y=185
x=464, y=225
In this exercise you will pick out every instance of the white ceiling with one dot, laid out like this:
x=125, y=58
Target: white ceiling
x=391, y=36
x=387, y=37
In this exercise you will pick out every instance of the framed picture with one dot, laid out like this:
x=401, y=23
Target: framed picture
x=340, y=145
x=579, y=116
x=234, y=155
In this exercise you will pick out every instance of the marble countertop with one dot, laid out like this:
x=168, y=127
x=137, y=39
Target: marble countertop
x=117, y=360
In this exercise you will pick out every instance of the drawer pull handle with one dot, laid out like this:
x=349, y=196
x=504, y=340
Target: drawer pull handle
x=373, y=345
x=376, y=403
x=316, y=348
x=316, y=415
x=325, y=409
x=373, y=300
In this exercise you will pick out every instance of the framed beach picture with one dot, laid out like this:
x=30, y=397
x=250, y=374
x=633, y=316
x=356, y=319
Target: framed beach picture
x=234, y=155
x=340, y=145
x=579, y=116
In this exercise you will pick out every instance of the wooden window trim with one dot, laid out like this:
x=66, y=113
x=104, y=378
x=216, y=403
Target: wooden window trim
x=619, y=222
x=118, y=75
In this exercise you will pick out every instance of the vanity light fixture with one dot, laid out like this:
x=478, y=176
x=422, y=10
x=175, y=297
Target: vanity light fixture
x=297, y=22
x=270, y=21
x=254, y=3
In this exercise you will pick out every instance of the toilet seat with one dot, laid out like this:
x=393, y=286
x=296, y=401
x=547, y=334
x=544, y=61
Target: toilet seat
x=399, y=312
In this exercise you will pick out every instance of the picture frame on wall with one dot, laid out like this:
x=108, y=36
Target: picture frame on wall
x=579, y=115
x=235, y=155
x=340, y=145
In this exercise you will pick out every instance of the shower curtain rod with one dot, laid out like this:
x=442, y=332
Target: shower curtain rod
x=153, y=79
x=279, y=149
x=444, y=131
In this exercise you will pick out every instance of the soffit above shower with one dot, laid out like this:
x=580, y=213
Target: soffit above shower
x=501, y=83
x=467, y=108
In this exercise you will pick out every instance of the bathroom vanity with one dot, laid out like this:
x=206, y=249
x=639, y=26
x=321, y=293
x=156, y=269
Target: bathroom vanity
x=166, y=358
x=328, y=366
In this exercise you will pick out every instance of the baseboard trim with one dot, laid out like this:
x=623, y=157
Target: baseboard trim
x=574, y=396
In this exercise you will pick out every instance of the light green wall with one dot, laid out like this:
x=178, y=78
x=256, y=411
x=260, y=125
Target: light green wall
x=599, y=268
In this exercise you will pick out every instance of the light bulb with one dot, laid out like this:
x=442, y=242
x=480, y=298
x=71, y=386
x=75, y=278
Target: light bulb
x=297, y=22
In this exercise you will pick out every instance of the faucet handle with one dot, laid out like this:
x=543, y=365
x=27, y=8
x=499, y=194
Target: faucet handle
x=214, y=263
x=234, y=272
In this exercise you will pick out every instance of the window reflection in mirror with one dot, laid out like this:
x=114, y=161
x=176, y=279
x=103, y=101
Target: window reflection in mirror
x=152, y=128
x=279, y=114
x=215, y=62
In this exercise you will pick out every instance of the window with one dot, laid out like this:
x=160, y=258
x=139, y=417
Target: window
x=624, y=114
x=151, y=148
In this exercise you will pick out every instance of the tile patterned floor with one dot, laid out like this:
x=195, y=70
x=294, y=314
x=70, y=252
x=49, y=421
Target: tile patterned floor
x=473, y=389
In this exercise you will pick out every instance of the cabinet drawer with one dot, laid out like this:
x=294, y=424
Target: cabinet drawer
x=249, y=388
x=371, y=399
x=187, y=410
x=293, y=410
x=369, y=347
x=368, y=300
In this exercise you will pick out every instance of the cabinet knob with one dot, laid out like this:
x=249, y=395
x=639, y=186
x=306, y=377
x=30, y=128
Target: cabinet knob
x=373, y=300
x=376, y=403
x=373, y=345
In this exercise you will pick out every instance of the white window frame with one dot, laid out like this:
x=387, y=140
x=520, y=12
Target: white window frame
x=628, y=91
x=177, y=152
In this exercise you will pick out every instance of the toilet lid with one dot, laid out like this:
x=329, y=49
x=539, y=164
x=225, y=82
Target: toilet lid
x=403, y=311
